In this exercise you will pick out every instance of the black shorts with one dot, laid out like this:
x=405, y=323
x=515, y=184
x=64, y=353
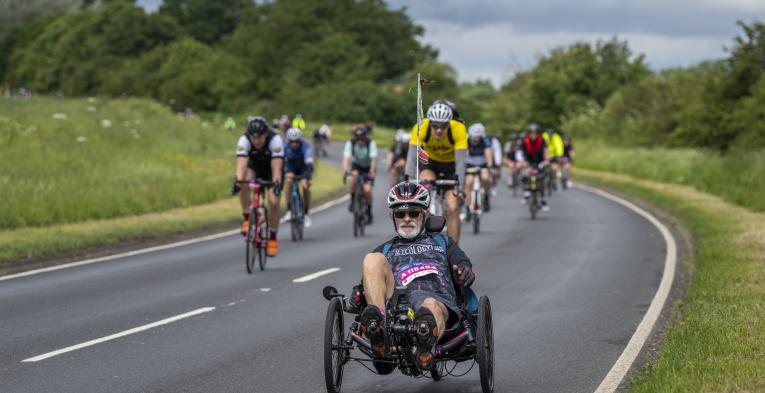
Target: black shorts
x=261, y=171
x=363, y=172
x=443, y=170
x=418, y=296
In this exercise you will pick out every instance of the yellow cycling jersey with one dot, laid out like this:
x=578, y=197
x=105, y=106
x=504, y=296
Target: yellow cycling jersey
x=555, y=146
x=440, y=149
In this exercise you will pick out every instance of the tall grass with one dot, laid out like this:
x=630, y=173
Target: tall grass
x=71, y=160
x=737, y=177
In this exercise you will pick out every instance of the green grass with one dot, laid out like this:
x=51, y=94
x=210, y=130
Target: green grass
x=737, y=177
x=341, y=132
x=717, y=343
x=41, y=242
x=71, y=160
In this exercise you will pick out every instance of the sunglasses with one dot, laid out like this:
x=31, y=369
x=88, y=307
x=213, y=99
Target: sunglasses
x=412, y=214
x=438, y=125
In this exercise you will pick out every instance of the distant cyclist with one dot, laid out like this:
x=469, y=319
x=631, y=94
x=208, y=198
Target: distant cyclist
x=535, y=153
x=514, y=158
x=284, y=123
x=480, y=157
x=496, y=150
x=260, y=155
x=568, y=155
x=360, y=158
x=555, y=147
x=321, y=138
x=298, y=122
x=298, y=161
x=397, y=156
x=444, y=145
x=230, y=124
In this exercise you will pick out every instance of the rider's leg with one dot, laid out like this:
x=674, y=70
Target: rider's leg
x=305, y=184
x=377, y=278
x=244, y=193
x=352, y=187
x=468, y=189
x=485, y=180
x=439, y=312
x=368, y=192
x=289, y=177
x=452, y=215
x=274, y=211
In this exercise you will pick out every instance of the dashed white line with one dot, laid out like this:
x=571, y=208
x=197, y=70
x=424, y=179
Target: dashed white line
x=120, y=334
x=316, y=275
x=265, y=289
x=619, y=370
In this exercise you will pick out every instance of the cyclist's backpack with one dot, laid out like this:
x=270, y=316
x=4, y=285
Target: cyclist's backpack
x=353, y=147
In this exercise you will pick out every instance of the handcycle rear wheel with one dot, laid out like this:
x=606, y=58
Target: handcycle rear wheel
x=485, y=345
x=264, y=232
x=334, y=357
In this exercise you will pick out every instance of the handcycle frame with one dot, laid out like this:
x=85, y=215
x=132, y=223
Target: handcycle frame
x=471, y=338
x=258, y=230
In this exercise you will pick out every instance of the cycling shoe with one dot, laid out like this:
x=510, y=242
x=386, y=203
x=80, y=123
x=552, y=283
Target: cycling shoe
x=372, y=325
x=426, y=333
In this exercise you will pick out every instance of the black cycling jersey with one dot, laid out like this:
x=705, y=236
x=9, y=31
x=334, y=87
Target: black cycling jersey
x=425, y=268
x=399, y=150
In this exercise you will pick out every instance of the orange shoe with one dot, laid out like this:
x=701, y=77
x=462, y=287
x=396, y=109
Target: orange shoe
x=272, y=248
x=245, y=227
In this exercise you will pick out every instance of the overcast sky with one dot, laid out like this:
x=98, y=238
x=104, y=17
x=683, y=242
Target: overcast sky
x=492, y=39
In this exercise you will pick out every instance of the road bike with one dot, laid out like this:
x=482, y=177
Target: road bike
x=256, y=238
x=359, y=206
x=536, y=177
x=475, y=209
x=295, y=207
x=564, y=175
x=438, y=190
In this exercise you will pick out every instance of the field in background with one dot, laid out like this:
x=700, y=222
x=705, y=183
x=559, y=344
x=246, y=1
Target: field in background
x=737, y=177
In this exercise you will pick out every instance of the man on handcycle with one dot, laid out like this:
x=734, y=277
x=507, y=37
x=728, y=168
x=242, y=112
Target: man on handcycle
x=298, y=161
x=420, y=261
x=259, y=155
x=360, y=158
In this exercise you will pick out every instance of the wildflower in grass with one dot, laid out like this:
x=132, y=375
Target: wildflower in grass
x=81, y=139
x=91, y=99
x=90, y=108
x=59, y=116
x=106, y=123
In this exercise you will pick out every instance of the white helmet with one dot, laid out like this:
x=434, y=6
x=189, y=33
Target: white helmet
x=406, y=195
x=439, y=112
x=294, y=134
x=477, y=130
x=400, y=135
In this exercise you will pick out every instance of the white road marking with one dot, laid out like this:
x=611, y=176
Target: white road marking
x=265, y=289
x=120, y=334
x=156, y=248
x=316, y=275
x=615, y=376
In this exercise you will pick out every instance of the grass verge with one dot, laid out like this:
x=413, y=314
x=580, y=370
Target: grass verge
x=717, y=343
x=35, y=243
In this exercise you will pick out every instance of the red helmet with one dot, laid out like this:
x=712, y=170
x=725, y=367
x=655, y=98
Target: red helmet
x=406, y=195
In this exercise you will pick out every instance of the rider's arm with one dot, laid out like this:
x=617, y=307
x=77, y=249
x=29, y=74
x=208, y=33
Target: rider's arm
x=347, y=157
x=242, y=157
x=389, y=159
x=489, y=154
x=373, y=158
x=277, y=158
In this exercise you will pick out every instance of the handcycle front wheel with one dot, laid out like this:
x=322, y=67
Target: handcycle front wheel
x=485, y=345
x=334, y=355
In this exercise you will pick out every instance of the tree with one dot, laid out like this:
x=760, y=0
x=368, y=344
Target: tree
x=207, y=21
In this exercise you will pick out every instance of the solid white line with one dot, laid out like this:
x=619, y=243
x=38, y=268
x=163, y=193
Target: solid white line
x=120, y=334
x=317, y=274
x=156, y=248
x=617, y=373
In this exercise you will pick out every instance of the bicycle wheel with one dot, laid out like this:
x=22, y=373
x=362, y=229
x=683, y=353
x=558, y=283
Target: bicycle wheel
x=264, y=232
x=295, y=219
x=362, y=216
x=485, y=345
x=533, y=205
x=476, y=223
x=249, y=261
x=334, y=356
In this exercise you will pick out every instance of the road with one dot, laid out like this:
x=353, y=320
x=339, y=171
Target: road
x=567, y=292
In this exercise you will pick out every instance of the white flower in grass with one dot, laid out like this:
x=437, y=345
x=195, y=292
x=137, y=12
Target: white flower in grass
x=59, y=116
x=91, y=99
x=106, y=123
x=136, y=134
x=205, y=124
x=81, y=139
x=91, y=108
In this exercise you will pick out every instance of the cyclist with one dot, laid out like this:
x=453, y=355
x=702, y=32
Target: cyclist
x=453, y=107
x=298, y=161
x=496, y=149
x=568, y=155
x=360, y=158
x=421, y=261
x=555, y=147
x=535, y=152
x=259, y=155
x=298, y=122
x=321, y=138
x=479, y=156
x=397, y=156
x=514, y=158
x=444, y=145
x=230, y=124
x=284, y=123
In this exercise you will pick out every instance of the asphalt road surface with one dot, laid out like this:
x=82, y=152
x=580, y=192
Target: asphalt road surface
x=567, y=292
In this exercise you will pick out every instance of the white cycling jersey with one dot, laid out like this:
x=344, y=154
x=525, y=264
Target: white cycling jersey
x=275, y=146
x=496, y=150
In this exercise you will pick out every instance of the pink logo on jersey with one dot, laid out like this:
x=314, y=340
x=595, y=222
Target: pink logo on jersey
x=413, y=272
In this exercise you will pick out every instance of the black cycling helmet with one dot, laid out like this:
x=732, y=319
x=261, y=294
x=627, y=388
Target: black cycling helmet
x=257, y=126
x=359, y=130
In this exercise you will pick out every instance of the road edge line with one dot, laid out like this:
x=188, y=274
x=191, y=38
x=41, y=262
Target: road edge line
x=141, y=251
x=625, y=361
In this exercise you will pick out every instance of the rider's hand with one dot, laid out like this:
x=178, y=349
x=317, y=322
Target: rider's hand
x=278, y=189
x=357, y=300
x=465, y=275
x=458, y=193
x=235, y=187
